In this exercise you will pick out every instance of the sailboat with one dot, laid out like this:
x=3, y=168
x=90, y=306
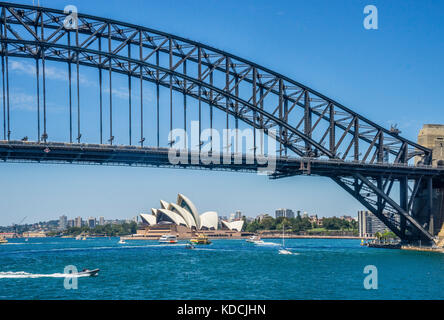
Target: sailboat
x=283, y=250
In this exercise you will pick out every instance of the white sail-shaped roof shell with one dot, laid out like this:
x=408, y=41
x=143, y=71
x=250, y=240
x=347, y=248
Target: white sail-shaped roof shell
x=234, y=225
x=209, y=220
x=186, y=203
x=149, y=218
x=164, y=204
x=177, y=219
x=186, y=215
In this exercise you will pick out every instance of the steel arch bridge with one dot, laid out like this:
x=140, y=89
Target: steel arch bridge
x=316, y=134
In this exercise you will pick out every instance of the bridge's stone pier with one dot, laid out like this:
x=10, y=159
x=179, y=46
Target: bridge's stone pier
x=432, y=137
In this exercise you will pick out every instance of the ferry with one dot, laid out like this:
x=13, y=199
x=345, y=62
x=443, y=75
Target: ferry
x=200, y=239
x=3, y=240
x=168, y=238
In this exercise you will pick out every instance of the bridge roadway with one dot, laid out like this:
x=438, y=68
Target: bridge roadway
x=96, y=154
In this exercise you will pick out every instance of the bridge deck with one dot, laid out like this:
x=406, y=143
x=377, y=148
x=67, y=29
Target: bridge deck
x=95, y=154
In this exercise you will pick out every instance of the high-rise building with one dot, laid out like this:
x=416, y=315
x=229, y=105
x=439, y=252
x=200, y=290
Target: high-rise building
x=238, y=215
x=369, y=224
x=79, y=222
x=92, y=222
x=71, y=223
x=63, y=222
x=284, y=213
x=102, y=221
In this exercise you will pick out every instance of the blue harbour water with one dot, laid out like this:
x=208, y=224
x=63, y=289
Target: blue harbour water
x=226, y=269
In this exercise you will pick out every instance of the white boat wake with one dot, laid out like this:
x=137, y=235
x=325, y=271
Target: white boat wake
x=26, y=275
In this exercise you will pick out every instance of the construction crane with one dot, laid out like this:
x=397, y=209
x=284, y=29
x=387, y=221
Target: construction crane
x=16, y=224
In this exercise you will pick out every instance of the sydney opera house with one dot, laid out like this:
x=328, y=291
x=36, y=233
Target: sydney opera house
x=183, y=214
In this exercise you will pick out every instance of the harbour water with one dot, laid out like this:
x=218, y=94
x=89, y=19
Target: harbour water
x=226, y=269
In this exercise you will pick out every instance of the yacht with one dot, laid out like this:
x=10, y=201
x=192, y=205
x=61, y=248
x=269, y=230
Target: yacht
x=168, y=238
x=283, y=250
x=253, y=239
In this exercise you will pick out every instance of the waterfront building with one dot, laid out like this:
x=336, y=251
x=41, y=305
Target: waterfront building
x=369, y=224
x=63, y=222
x=183, y=213
x=347, y=218
x=101, y=221
x=34, y=234
x=316, y=221
x=183, y=220
x=262, y=216
x=92, y=222
x=8, y=235
x=233, y=225
x=284, y=213
x=79, y=222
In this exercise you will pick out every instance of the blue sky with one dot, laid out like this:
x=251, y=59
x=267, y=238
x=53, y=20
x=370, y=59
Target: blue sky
x=392, y=75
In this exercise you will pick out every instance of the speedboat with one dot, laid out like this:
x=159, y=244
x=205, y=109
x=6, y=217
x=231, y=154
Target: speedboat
x=253, y=239
x=189, y=246
x=3, y=240
x=121, y=241
x=87, y=272
x=168, y=238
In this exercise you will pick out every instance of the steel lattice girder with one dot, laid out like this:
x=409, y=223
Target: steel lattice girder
x=258, y=96
x=375, y=195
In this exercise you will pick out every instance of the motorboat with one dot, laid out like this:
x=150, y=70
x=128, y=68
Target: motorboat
x=285, y=251
x=200, y=239
x=253, y=239
x=3, y=240
x=168, y=238
x=190, y=246
x=263, y=243
x=121, y=241
x=87, y=272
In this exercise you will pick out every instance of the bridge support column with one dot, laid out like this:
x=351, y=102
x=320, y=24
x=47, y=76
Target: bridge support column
x=403, y=199
x=428, y=206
